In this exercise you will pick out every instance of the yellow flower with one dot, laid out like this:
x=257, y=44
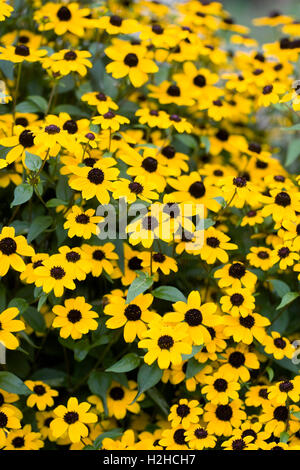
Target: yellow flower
x=72, y=419
x=82, y=223
x=196, y=317
x=54, y=275
x=41, y=396
x=132, y=316
x=67, y=61
x=100, y=257
x=75, y=318
x=165, y=344
x=130, y=60
x=120, y=399
x=185, y=413
x=24, y=439
x=8, y=421
x=63, y=18
x=11, y=249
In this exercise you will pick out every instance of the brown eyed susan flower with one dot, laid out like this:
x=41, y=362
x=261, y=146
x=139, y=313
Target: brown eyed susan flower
x=138, y=188
x=6, y=10
x=133, y=316
x=237, y=361
x=102, y=101
x=54, y=275
x=150, y=227
x=153, y=117
x=246, y=328
x=215, y=246
x=8, y=421
x=120, y=399
x=77, y=260
x=110, y=120
x=75, y=318
x=63, y=18
x=260, y=257
x=114, y=24
x=235, y=275
x=9, y=325
x=195, y=316
x=237, y=442
x=21, y=140
x=185, y=413
x=284, y=390
x=21, y=53
x=238, y=301
x=167, y=93
x=159, y=263
x=285, y=255
x=174, y=439
x=130, y=61
x=82, y=223
x=95, y=181
x=12, y=248
x=165, y=344
x=133, y=261
x=278, y=346
x=270, y=94
x=72, y=419
x=222, y=419
x=67, y=61
x=24, y=439
x=218, y=390
x=41, y=396
x=198, y=438
x=282, y=205
x=100, y=257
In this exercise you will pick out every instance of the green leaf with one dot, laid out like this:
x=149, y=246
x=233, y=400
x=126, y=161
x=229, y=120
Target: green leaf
x=33, y=162
x=280, y=287
x=169, y=293
x=187, y=140
x=12, y=384
x=34, y=319
x=287, y=299
x=22, y=194
x=112, y=434
x=193, y=368
x=296, y=414
x=56, y=202
x=148, y=377
x=52, y=377
x=195, y=350
x=293, y=151
x=270, y=373
x=158, y=398
x=141, y=283
x=99, y=383
x=20, y=304
x=39, y=102
x=38, y=226
x=27, y=107
x=4, y=151
x=128, y=362
x=284, y=437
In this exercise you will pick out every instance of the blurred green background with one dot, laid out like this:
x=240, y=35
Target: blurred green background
x=245, y=10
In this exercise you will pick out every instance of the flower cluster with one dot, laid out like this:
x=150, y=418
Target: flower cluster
x=179, y=330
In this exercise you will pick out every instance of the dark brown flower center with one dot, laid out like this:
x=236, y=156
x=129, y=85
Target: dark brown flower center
x=70, y=55
x=280, y=343
x=39, y=390
x=237, y=270
x=159, y=257
x=57, y=272
x=213, y=242
x=71, y=417
x=173, y=90
x=26, y=139
x=237, y=299
x=135, y=263
x=220, y=385
x=150, y=164
x=115, y=20
x=283, y=199
x=182, y=410
x=236, y=359
x=165, y=342
x=224, y=412
x=96, y=176
x=131, y=60
x=8, y=246
x=281, y=413
x=3, y=419
x=193, y=317
x=117, y=393
x=22, y=50
x=197, y=189
x=72, y=256
x=247, y=322
x=70, y=126
x=179, y=437
x=133, y=312
x=286, y=386
x=74, y=315
x=64, y=14
x=149, y=223
x=82, y=219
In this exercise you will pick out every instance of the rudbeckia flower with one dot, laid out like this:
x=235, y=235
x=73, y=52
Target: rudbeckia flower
x=10, y=325
x=75, y=318
x=8, y=421
x=218, y=390
x=246, y=328
x=100, y=257
x=278, y=346
x=95, y=181
x=82, y=223
x=67, y=61
x=165, y=344
x=6, y=10
x=120, y=399
x=195, y=316
x=72, y=419
x=21, y=53
x=131, y=61
x=12, y=248
x=185, y=413
x=110, y=121
x=41, y=396
x=132, y=316
x=24, y=439
x=114, y=24
x=54, y=275
x=63, y=18
x=198, y=438
x=222, y=419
